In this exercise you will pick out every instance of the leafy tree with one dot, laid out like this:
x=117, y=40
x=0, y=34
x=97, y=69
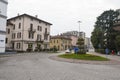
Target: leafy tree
x=103, y=34
x=95, y=38
x=81, y=46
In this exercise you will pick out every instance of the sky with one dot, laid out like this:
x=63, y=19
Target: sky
x=64, y=14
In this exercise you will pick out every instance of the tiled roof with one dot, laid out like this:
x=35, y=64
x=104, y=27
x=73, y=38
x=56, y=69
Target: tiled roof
x=31, y=17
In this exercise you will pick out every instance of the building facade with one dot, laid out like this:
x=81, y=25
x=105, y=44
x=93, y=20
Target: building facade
x=87, y=43
x=117, y=22
x=27, y=33
x=3, y=18
x=60, y=42
x=74, y=40
x=74, y=33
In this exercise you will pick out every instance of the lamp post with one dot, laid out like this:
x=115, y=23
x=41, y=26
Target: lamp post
x=79, y=28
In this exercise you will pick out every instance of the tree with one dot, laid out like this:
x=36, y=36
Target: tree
x=103, y=35
x=81, y=45
x=95, y=38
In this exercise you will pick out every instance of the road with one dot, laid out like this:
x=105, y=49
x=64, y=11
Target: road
x=38, y=66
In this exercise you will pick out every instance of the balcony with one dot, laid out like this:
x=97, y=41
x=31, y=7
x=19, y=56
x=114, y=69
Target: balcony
x=39, y=41
x=31, y=30
x=47, y=33
x=46, y=41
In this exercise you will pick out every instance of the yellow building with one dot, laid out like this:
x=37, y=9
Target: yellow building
x=60, y=42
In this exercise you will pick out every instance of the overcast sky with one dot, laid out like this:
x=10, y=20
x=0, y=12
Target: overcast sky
x=64, y=14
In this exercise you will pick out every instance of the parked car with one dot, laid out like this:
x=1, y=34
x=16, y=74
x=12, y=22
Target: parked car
x=67, y=51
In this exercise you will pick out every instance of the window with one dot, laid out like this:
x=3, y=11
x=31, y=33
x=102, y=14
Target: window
x=18, y=46
x=45, y=29
x=39, y=37
x=14, y=27
x=19, y=25
x=45, y=37
x=39, y=28
x=13, y=36
x=8, y=31
x=31, y=26
x=58, y=47
x=30, y=46
x=31, y=35
x=6, y=40
x=19, y=35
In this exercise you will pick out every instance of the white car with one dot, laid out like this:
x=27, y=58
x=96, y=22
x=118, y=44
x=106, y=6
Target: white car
x=67, y=51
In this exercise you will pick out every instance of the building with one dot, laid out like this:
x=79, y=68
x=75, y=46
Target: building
x=3, y=18
x=117, y=22
x=69, y=33
x=82, y=35
x=74, y=40
x=27, y=33
x=74, y=33
x=60, y=42
x=87, y=43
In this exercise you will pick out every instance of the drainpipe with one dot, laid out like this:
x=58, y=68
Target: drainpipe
x=22, y=32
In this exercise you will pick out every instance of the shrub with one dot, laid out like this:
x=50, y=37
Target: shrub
x=54, y=49
x=82, y=51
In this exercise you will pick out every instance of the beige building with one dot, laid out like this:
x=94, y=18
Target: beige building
x=60, y=42
x=25, y=32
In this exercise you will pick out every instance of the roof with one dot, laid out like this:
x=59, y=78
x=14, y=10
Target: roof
x=30, y=17
x=60, y=37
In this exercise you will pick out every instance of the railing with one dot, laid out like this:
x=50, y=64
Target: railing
x=39, y=40
x=31, y=30
x=47, y=33
x=46, y=41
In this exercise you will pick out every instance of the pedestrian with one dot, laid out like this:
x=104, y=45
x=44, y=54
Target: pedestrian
x=113, y=52
x=107, y=51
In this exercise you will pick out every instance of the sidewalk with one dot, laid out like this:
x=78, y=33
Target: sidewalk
x=113, y=57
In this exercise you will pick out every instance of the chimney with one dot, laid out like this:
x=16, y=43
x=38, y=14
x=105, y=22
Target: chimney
x=36, y=16
x=18, y=14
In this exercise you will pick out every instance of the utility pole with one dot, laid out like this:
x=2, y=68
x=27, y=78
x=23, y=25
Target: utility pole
x=79, y=28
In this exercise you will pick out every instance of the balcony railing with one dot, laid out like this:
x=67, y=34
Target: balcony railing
x=46, y=41
x=47, y=33
x=39, y=41
x=31, y=30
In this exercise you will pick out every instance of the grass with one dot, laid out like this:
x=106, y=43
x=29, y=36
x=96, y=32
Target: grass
x=84, y=57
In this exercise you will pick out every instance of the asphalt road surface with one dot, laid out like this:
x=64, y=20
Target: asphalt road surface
x=38, y=66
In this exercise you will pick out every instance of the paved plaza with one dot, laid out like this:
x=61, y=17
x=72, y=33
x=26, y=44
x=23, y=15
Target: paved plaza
x=38, y=66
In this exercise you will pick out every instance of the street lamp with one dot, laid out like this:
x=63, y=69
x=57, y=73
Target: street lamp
x=79, y=28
